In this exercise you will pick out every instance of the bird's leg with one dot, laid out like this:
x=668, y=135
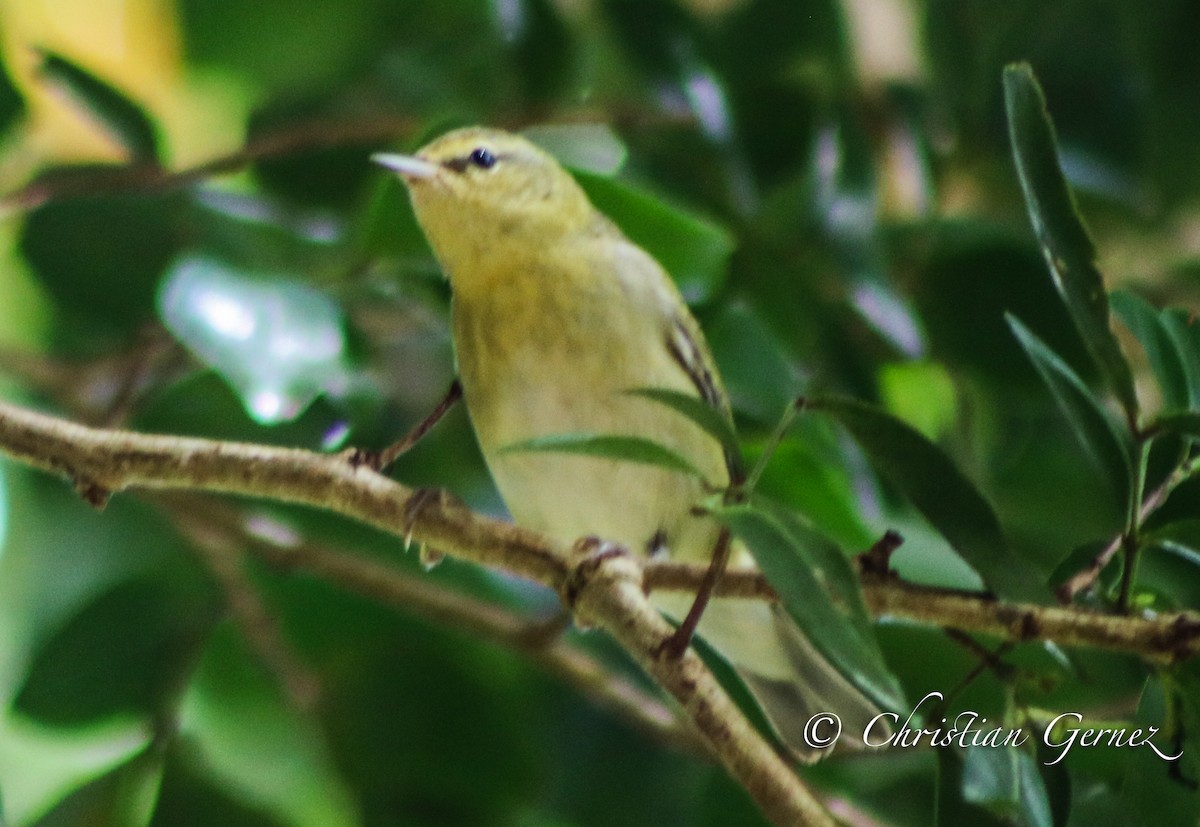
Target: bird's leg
x=677, y=644
x=381, y=460
x=417, y=502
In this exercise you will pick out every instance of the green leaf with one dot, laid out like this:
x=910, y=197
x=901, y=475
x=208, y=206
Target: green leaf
x=1183, y=533
x=819, y=590
x=124, y=796
x=694, y=250
x=4, y=497
x=11, y=106
x=123, y=119
x=806, y=476
x=1185, y=336
x=1158, y=791
x=940, y=492
x=1005, y=781
x=1184, y=424
x=1148, y=327
x=608, y=446
x=756, y=365
x=922, y=393
x=230, y=318
x=233, y=716
x=101, y=258
x=128, y=648
x=592, y=147
x=541, y=46
x=1107, y=444
x=713, y=421
x=1059, y=228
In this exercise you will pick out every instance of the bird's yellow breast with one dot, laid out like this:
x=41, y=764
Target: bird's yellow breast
x=553, y=349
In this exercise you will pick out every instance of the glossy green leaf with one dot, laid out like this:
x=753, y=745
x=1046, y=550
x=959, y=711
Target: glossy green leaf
x=1153, y=787
x=590, y=147
x=125, y=796
x=1185, y=424
x=541, y=45
x=819, y=589
x=233, y=716
x=129, y=647
x=1060, y=232
x=694, y=250
x=101, y=258
x=123, y=119
x=713, y=421
x=608, y=446
x=1184, y=334
x=3, y=506
x=1170, y=568
x=805, y=475
x=1184, y=679
x=1184, y=533
x=642, y=28
x=1104, y=441
x=760, y=375
x=1005, y=781
x=11, y=102
x=921, y=393
x=1148, y=327
x=293, y=55
x=940, y=492
x=278, y=343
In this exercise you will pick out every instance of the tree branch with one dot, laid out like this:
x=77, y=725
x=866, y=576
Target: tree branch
x=605, y=590
x=609, y=595
x=1165, y=638
x=102, y=461
x=620, y=607
x=89, y=181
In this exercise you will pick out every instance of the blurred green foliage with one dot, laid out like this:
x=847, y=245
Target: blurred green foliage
x=846, y=222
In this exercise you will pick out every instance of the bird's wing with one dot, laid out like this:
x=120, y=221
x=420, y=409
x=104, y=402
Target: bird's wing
x=643, y=276
x=690, y=351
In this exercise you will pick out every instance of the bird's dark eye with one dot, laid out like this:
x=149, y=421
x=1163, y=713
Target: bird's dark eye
x=482, y=158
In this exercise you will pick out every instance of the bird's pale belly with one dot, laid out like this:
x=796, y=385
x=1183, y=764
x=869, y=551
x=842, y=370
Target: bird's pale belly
x=568, y=496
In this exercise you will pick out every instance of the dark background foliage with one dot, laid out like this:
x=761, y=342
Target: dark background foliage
x=833, y=185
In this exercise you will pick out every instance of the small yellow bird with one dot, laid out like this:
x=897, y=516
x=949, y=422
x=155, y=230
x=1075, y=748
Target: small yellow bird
x=556, y=316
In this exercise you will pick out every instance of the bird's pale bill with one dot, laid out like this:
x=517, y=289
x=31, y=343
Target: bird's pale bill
x=407, y=165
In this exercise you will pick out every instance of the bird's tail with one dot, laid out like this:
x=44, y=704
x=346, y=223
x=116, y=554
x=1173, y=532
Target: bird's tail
x=811, y=705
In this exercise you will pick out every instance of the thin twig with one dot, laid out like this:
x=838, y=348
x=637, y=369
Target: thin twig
x=419, y=596
x=63, y=184
x=682, y=638
x=773, y=441
x=103, y=389
x=985, y=659
x=1131, y=536
x=1086, y=577
x=151, y=178
x=258, y=625
x=384, y=459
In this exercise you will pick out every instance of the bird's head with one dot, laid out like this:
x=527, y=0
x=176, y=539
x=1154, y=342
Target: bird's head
x=478, y=190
